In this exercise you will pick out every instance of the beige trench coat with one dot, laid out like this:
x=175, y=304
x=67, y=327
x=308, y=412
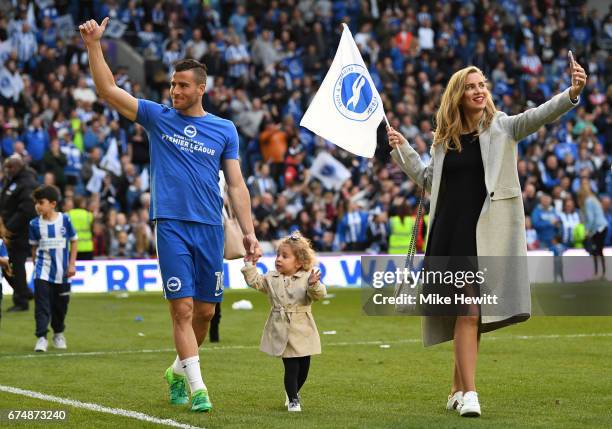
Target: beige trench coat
x=500, y=230
x=290, y=330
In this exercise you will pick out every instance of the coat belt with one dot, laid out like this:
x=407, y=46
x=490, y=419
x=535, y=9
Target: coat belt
x=292, y=309
x=284, y=311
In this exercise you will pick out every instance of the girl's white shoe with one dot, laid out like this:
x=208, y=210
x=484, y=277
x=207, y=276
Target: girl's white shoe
x=294, y=406
x=287, y=399
x=454, y=401
x=470, y=406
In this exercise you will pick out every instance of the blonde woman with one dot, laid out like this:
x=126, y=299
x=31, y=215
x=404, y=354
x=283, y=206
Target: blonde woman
x=595, y=224
x=476, y=208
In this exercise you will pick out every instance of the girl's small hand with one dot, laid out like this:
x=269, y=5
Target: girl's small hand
x=315, y=276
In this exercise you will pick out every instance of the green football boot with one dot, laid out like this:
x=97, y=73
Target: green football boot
x=200, y=401
x=178, y=387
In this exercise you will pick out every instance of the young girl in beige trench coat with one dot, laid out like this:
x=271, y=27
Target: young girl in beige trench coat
x=290, y=331
x=473, y=139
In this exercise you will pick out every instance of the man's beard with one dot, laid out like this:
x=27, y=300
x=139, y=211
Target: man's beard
x=187, y=102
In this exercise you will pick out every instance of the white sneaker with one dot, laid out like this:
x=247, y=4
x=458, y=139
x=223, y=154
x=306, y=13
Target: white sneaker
x=471, y=406
x=59, y=341
x=41, y=344
x=287, y=399
x=454, y=401
x=294, y=406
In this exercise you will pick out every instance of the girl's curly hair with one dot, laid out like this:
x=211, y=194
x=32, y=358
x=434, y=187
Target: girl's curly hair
x=302, y=249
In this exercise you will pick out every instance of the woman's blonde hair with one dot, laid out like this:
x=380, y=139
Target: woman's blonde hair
x=583, y=193
x=450, y=116
x=302, y=250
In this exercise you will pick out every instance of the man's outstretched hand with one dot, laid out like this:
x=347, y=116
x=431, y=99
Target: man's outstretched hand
x=91, y=32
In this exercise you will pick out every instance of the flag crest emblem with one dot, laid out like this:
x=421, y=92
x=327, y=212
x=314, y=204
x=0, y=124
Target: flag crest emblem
x=353, y=95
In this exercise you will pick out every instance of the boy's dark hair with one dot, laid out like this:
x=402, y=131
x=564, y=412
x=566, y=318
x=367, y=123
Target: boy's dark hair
x=46, y=192
x=199, y=69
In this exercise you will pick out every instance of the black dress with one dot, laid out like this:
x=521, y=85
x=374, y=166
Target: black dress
x=460, y=199
x=451, y=246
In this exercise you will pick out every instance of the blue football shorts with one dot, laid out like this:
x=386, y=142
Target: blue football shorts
x=190, y=259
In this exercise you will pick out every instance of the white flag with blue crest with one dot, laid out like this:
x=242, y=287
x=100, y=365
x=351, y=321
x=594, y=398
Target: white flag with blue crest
x=329, y=171
x=347, y=108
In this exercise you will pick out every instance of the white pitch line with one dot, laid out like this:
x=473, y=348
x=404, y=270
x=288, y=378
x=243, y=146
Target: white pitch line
x=337, y=344
x=98, y=353
x=95, y=407
x=550, y=336
x=116, y=352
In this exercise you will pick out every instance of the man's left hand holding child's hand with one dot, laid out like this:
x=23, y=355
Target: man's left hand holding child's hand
x=253, y=258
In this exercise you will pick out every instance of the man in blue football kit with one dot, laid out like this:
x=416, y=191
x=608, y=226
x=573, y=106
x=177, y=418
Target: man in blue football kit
x=188, y=148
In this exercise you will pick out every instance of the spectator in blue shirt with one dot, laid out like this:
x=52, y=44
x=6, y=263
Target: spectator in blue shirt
x=92, y=136
x=352, y=228
x=24, y=43
x=48, y=34
x=545, y=221
x=36, y=140
x=9, y=139
x=238, y=20
x=238, y=60
x=565, y=147
x=550, y=172
x=558, y=248
x=74, y=159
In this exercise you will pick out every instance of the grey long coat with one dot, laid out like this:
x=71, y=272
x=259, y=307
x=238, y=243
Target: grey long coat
x=290, y=330
x=500, y=230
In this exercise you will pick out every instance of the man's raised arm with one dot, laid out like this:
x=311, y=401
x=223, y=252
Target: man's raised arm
x=121, y=100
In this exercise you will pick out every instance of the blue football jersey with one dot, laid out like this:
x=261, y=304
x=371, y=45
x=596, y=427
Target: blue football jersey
x=186, y=154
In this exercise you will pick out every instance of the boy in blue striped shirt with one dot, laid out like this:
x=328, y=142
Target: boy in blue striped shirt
x=51, y=234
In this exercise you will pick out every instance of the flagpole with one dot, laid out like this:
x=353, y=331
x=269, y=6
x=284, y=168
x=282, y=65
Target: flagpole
x=398, y=151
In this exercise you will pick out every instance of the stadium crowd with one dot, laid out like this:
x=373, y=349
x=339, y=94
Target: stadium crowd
x=265, y=60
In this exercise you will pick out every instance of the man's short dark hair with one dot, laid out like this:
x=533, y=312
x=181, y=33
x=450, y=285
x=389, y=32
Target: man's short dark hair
x=199, y=69
x=46, y=192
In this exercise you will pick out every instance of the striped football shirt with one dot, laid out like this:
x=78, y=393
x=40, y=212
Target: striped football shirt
x=52, y=239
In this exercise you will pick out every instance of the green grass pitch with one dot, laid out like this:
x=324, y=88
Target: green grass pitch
x=547, y=372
